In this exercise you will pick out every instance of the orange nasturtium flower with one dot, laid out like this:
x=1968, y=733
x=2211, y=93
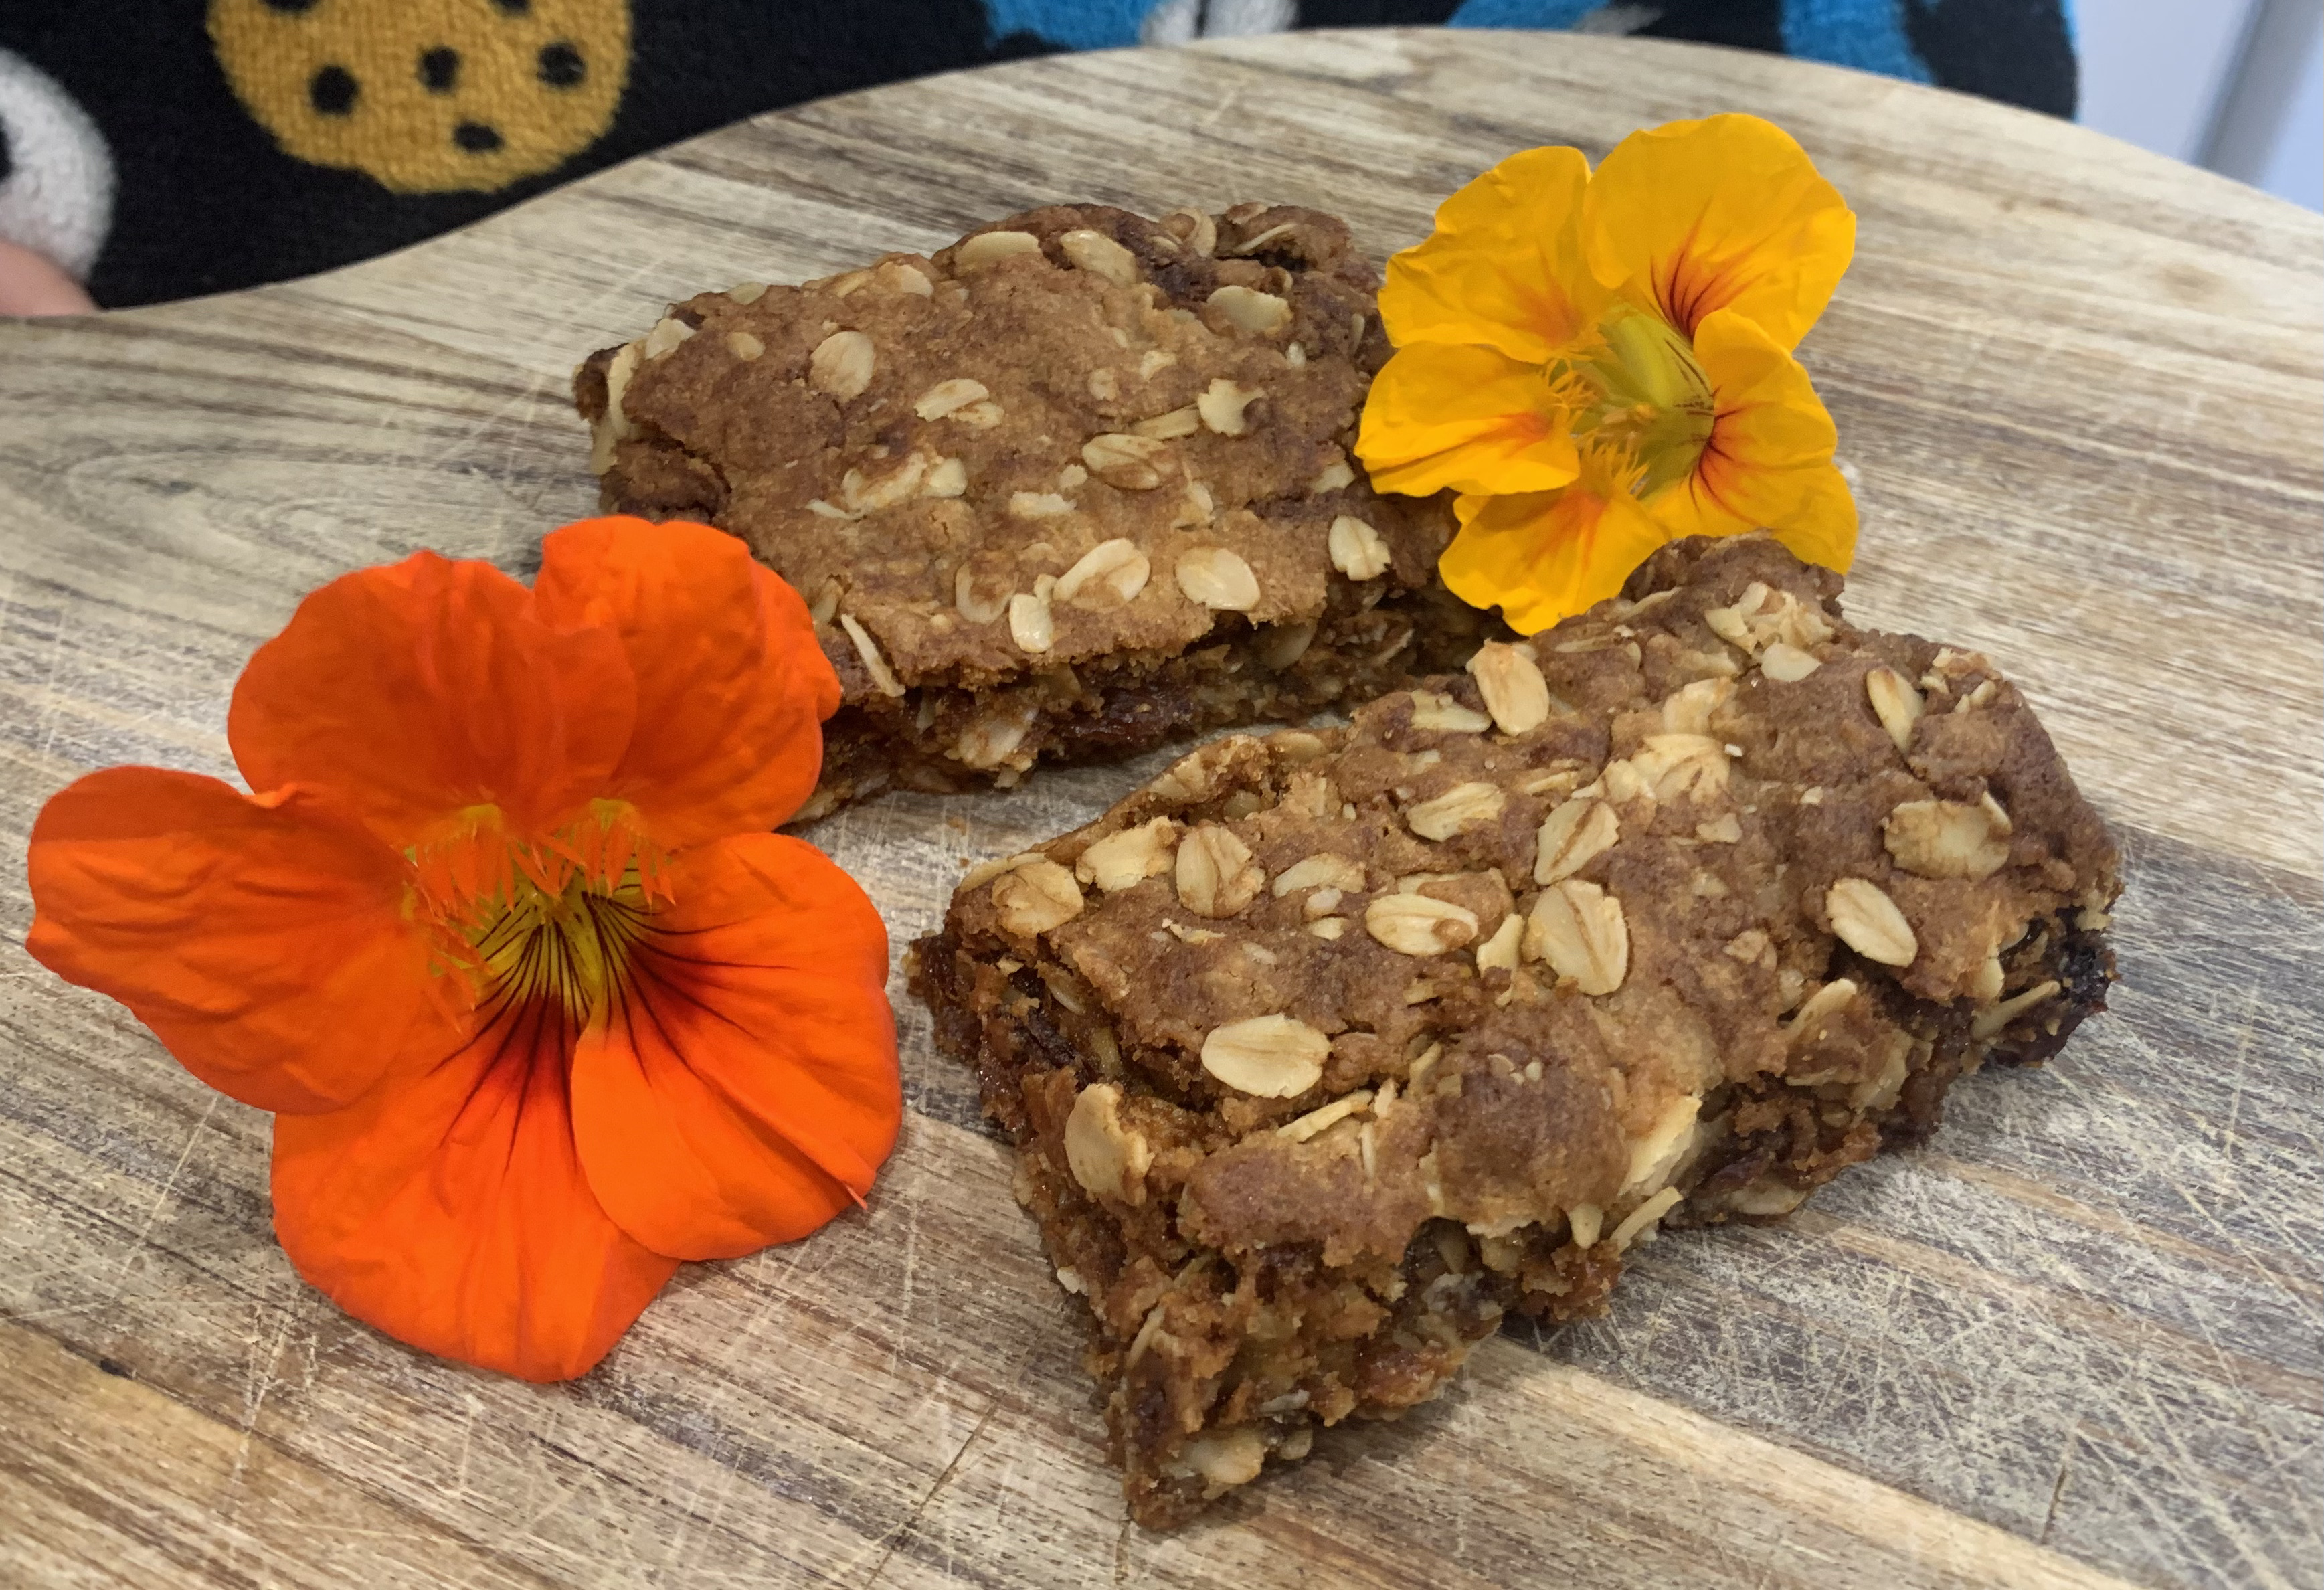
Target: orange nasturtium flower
x=1600, y=364
x=541, y=1005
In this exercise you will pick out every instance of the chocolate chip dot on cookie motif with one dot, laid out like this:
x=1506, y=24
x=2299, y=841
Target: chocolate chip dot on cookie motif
x=562, y=66
x=428, y=95
x=332, y=91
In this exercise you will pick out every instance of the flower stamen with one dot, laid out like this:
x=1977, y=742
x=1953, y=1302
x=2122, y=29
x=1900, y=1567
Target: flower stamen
x=1646, y=395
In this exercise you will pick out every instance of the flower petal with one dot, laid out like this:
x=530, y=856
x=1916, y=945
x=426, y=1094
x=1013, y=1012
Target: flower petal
x=744, y=1089
x=731, y=688
x=1504, y=268
x=1823, y=527
x=1468, y=419
x=412, y=691
x=1771, y=443
x=1545, y=556
x=262, y=940
x=447, y=1207
x=1724, y=213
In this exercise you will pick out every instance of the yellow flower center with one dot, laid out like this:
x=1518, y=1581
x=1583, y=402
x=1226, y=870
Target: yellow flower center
x=571, y=948
x=1635, y=389
x=549, y=921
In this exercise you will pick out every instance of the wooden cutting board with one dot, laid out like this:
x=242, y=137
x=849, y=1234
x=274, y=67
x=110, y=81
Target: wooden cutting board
x=2080, y=1342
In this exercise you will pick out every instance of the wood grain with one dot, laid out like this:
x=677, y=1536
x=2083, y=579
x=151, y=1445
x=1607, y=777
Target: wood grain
x=2079, y=1342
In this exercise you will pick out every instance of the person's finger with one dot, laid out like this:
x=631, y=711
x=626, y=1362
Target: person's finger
x=30, y=284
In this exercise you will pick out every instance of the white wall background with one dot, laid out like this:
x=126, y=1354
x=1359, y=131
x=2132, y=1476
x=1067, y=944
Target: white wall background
x=2235, y=85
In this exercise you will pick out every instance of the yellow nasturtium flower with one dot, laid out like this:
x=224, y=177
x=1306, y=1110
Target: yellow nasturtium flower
x=1600, y=364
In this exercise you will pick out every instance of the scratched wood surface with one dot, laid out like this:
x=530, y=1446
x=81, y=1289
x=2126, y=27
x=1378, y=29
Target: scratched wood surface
x=2079, y=1342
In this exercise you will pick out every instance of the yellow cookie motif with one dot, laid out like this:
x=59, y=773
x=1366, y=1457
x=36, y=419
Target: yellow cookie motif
x=428, y=95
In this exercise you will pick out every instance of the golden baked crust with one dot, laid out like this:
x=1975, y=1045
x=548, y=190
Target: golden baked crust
x=1074, y=485
x=1326, y=1050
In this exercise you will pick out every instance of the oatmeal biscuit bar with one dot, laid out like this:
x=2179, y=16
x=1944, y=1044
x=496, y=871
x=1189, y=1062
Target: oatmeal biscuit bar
x=1325, y=1051
x=1078, y=484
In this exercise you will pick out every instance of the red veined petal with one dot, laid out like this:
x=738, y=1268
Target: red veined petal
x=1543, y=555
x=265, y=941
x=409, y=692
x=448, y=1208
x=1727, y=213
x=744, y=1089
x=731, y=686
x=1504, y=266
x=1769, y=456
x=1468, y=419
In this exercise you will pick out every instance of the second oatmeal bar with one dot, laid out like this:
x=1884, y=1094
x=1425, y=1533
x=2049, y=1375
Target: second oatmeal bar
x=1077, y=485
x=1325, y=1051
